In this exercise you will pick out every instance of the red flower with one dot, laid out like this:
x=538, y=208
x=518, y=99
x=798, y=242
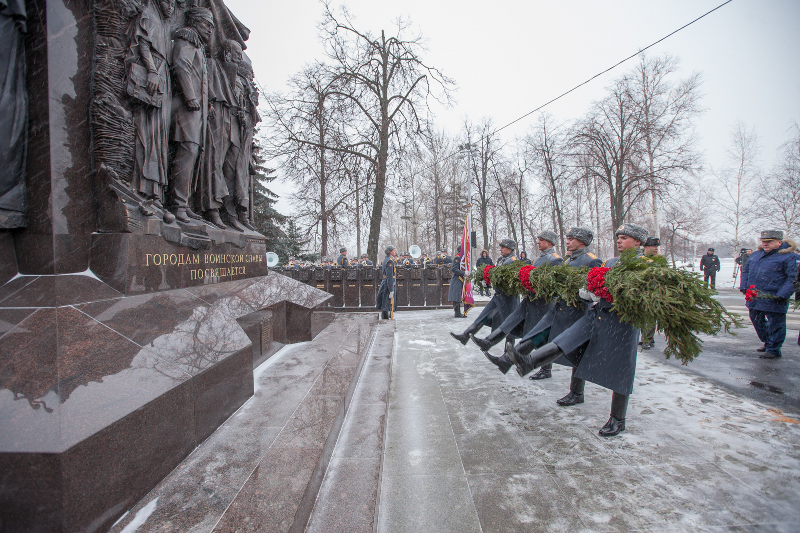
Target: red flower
x=486, y=270
x=596, y=282
x=524, y=277
x=751, y=294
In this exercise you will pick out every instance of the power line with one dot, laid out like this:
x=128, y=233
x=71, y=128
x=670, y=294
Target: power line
x=595, y=76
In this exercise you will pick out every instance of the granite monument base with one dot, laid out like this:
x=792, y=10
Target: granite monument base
x=102, y=394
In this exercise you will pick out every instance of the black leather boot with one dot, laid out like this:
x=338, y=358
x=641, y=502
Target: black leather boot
x=575, y=396
x=503, y=362
x=525, y=363
x=616, y=423
x=464, y=337
x=457, y=310
x=543, y=373
x=493, y=338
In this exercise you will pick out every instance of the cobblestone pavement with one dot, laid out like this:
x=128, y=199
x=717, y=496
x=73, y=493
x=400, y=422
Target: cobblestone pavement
x=469, y=449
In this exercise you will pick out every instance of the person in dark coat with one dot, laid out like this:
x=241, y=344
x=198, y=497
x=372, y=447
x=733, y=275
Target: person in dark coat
x=386, y=291
x=559, y=317
x=484, y=260
x=342, y=260
x=709, y=264
x=523, y=256
x=648, y=336
x=530, y=311
x=600, y=345
x=500, y=306
x=456, y=286
x=771, y=271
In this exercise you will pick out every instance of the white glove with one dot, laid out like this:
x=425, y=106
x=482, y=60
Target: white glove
x=588, y=295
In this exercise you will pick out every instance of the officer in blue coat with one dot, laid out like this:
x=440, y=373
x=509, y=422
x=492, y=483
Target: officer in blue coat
x=500, y=306
x=559, y=317
x=601, y=347
x=530, y=311
x=386, y=291
x=771, y=271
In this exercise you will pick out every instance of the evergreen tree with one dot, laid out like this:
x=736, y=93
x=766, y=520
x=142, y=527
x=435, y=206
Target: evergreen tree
x=265, y=218
x=295, y=242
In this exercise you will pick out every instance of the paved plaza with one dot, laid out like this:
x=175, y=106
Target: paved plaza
x=468, y=449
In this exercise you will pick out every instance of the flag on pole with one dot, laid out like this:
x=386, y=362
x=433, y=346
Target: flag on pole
x=466, y=265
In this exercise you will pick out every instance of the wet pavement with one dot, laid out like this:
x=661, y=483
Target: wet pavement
x=732, y=360
x=469, y=449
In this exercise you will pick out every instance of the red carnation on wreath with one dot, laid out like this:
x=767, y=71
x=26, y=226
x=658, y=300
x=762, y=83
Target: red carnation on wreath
x=596, y=283
x=486, y=270
x=524, y=277
x=751, y=294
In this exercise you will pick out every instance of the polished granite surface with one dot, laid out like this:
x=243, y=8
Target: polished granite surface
x=259, y=467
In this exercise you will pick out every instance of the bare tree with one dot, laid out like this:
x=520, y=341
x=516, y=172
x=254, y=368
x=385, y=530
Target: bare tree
x=388, y=84
x=483, y=149
x=735, y=183
x=779, y=194
x=611, y=137
x=305, y=124
x=667, y=109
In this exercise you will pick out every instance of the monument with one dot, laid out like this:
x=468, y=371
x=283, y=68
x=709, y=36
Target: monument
x=132, y=283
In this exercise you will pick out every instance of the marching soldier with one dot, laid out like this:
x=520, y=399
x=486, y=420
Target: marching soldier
x=500, y=306
x=601, y=347
x=650, y=248
x=560, y=317
x=529, y=312
x=385, y=300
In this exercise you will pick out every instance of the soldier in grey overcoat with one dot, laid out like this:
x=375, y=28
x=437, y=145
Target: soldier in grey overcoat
x=387, y=288
x=500, y=306
x=530, y=310
x=600, y=345
x=456, y=285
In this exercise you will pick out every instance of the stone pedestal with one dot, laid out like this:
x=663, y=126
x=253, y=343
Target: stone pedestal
x=444, y=287
x=431, y=279
x=351, y=287
x=369, y=279
x=402, y=283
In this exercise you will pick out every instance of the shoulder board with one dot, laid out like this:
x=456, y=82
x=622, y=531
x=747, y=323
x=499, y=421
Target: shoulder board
x=513, y=258
x=604, y=262
x=556, y=256
x=590, y=254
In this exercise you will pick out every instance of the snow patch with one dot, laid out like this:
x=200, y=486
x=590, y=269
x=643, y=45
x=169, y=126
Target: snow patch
x=141, y=517
x=422, y=343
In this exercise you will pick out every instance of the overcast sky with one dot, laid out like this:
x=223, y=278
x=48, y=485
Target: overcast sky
x=509, y=57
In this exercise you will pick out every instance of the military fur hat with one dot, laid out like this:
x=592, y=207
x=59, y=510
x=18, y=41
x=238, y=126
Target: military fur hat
x=364, y=255
x=632, y=230
x=652, y=241
x=389, y=249
x=584, y=235
x=342, y=250
x=549, y=236
x=509, y=243
x=770, y=234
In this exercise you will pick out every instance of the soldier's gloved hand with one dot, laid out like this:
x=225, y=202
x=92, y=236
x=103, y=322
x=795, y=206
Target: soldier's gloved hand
x=588, y=295
x=743, y=291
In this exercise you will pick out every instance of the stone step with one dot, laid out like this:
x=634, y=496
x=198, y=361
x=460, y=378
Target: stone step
x=349, y=492
x=262, y=469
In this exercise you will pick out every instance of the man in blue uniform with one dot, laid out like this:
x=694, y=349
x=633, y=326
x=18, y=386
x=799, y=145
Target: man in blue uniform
x=500, y=306
x=386, y=291
x=771, y=271
x=601, y=347
x=530, y=311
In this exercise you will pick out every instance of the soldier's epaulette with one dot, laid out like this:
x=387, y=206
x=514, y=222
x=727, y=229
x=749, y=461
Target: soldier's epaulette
x=590, y=254
x=604, y=262
x=513, y=258
x=556, y=255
